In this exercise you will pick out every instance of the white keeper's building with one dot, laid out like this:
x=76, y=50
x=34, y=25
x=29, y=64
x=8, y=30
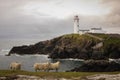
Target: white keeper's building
x=77, y=29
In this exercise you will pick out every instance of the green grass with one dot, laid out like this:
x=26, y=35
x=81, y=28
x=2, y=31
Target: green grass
x=76, y=39
x=79, y=39
x=52, y=74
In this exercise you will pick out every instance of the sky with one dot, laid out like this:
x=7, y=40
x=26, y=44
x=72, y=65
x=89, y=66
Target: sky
x=46, y=19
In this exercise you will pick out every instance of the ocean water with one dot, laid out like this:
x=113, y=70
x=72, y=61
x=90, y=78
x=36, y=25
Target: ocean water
x=28, y=61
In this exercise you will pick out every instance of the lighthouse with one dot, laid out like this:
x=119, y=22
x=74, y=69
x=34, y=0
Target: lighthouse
x=76, y=24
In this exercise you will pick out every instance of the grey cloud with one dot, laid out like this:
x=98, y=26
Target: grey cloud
x=113, y=17
x=15, y=24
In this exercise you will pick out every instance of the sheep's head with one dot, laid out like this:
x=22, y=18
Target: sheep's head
x=58, y=62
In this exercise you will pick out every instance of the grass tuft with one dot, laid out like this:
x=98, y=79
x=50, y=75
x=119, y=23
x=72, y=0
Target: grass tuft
x=52, y=74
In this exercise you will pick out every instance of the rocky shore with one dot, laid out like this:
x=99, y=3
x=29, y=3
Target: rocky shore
x=98, y=66
x=92, y=77
x=74, y=46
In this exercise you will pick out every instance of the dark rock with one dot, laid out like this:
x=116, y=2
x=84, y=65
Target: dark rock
x=73, y=46
x=39, y=48
x=12, y=77
x=98, y=66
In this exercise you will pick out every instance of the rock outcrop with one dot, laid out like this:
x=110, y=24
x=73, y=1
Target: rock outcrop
x=103, y=77
x=98, y=66
x=74, y=46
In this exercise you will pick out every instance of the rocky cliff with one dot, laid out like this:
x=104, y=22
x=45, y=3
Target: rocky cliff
x=75, y=46
x=98, y=66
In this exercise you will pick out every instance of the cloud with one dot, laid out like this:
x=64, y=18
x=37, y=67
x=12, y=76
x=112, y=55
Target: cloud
x=113, y=17
x=19, y=20
x=14, y=23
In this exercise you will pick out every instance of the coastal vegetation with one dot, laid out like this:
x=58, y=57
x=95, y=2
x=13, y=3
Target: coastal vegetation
x=52, y=74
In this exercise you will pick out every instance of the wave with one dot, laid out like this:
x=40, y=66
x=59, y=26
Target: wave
x=115, y=60
x=110, y=59
x=4, y=51
x=40, y=55
x=46, y=56
x=72, y=59
x=27, y=55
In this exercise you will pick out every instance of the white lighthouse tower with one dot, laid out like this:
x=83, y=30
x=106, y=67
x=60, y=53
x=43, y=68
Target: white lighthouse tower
x=76, y=24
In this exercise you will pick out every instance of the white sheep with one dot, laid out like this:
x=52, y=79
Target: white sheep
x=54, y=66
x=41, y=66
x=15, y=66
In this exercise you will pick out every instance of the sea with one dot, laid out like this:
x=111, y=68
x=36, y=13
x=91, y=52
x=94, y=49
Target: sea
x=28, y=61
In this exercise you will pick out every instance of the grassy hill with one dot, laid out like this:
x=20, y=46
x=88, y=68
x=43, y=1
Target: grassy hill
x=75, y=46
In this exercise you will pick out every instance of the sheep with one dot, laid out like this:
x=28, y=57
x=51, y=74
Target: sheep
x=54, y=66
x=15, y=66
x=41, y=66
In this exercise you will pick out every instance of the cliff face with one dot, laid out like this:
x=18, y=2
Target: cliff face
x=74, y=46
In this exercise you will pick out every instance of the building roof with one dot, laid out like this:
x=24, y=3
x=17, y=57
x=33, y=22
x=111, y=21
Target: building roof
x=76, y=17
x=96, y=28
x=84, y=30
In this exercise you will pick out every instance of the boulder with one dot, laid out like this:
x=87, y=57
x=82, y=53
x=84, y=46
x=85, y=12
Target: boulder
x=98, y=66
